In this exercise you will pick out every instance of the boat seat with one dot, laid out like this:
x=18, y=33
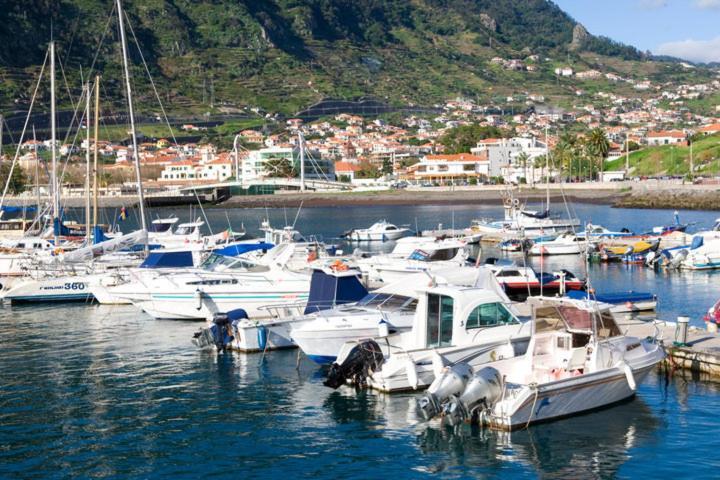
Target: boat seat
x=576, y=360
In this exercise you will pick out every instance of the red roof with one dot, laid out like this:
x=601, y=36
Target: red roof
x=664, y=133
x=715, y=127
x=346, y=167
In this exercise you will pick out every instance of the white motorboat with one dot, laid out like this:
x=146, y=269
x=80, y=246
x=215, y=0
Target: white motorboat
x=234, y=283
x=412, y=255
x=596, y=232
x=577, y=360
x=391, y=308
x=331, y=288
x=381, y=231
x=468, y=324
x=564, y=244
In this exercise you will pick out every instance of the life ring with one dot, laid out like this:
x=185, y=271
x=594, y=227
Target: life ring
x=339, y=266
x=516, y=202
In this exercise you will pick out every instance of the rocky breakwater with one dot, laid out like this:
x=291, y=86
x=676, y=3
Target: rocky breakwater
x=688, y=197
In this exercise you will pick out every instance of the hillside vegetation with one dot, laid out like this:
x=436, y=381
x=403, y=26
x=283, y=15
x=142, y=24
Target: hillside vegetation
x=674, y=160
x=282, y=55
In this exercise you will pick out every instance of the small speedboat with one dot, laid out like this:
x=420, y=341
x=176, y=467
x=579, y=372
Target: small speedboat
x=381, y=231
x=636, y=253
x=620, y=302
x=577, y=360
x=520, y=282
x=516, y=245
x=565, y=244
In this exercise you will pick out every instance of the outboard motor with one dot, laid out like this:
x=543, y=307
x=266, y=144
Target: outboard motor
x=356, y=365
x=451, y=382
x=218, y=334
x=483, y=389
x=679, y=258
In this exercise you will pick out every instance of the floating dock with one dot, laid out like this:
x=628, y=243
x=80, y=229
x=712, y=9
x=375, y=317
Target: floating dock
x=699, y=353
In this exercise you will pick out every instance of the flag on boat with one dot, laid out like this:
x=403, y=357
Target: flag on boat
x=123, y=213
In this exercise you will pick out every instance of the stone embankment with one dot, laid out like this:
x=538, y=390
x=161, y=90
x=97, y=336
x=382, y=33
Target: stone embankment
x=686, y=197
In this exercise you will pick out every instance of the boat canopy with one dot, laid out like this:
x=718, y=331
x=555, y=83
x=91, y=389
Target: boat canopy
x=168, y=260
x=538, y=215
x=571, y=318
x=235, y=249
x=611, y=297
x=330, y=288
x=124, y=242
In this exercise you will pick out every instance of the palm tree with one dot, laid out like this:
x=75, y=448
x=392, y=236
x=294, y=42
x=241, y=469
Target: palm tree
x=598, y=146
x=522, y=159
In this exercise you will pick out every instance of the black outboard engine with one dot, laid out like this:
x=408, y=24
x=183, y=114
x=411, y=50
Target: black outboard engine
x=356, y=365
x=451, y=381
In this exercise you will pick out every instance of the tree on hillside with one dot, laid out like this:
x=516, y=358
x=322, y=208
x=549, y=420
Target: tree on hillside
x=18, y=181
x=598, y=146
x=461, y=139
x=278, y=167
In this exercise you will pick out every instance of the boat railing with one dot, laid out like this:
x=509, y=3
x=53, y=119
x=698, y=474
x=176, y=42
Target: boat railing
x=298, y=308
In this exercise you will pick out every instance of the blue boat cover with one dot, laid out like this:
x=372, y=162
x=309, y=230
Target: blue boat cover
x=98, y=234
x=235, y=249
x=16, y=209
x=613, y=297
x=168, y=260
x=328, y=290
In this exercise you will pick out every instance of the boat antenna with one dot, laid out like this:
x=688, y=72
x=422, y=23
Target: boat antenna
x=131, y=113
x=297, y=214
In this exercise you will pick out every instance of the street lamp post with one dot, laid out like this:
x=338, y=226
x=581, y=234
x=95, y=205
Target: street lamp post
x=237, y=158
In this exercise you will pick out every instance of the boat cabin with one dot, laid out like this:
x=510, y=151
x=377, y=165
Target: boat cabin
x=447, y=316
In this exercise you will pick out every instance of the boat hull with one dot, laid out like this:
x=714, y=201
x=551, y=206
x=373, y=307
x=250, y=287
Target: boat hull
x=567, y=397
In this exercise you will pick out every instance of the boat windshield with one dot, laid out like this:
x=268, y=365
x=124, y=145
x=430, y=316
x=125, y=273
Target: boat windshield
x=388, y=302
x=575, y=320
x=160, y=227
x=185, y=230
x=217, y=262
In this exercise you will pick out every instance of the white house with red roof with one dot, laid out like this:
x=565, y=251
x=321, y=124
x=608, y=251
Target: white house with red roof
x=667, y=137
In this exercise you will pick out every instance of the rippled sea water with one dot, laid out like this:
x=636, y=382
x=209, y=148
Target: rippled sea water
x=97, y=391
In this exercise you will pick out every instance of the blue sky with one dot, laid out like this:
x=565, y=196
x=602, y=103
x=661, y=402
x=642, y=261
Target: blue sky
x=687, y=29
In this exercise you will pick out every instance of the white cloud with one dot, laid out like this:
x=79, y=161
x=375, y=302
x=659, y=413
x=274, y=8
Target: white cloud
x=707, y=4
x=693, y=50
x=653, y=4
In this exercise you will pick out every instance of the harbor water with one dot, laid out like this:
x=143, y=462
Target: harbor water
x=101, y=391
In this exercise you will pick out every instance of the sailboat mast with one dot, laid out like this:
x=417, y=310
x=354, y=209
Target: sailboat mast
x=37, y=174
x=87, y=163
x=301, y=144
x=95, y=151
x=136, y=153
x=547, y=171
x=53, y=147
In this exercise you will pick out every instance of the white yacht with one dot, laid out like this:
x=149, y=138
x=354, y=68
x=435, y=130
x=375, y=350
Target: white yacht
x=381, y=231
x=566, y=243
x=577, y=360
x=469, y=324
x=232, y=283
x=412, y=255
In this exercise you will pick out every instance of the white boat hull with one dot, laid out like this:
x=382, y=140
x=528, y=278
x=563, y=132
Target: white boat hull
x=566, y=397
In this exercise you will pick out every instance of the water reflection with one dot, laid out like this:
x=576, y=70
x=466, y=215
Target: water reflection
x=595, y=445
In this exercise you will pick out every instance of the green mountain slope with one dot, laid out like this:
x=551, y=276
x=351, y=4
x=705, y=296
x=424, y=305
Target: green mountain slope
x=281, y=55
